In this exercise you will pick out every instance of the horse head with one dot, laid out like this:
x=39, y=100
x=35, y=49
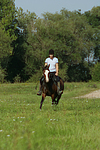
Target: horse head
x=46, y=72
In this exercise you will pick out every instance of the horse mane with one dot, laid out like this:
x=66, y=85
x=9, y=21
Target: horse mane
x=45, y=67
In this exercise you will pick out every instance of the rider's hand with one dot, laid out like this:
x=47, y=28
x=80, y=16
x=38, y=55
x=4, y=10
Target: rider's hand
x=56, y=74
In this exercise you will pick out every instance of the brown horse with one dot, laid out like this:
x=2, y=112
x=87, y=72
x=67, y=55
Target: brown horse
x=50, y=87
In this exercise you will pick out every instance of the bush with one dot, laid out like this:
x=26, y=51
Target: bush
x=36, y=77
x=96, y=72
x=2, y=75
x=79, y=72
x=63, y=73
x=17, y=79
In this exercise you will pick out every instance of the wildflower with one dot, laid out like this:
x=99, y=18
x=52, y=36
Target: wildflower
x=33, y=131
x=22, y=117
x=8, y=135
x=13, y=119
x=1, y=130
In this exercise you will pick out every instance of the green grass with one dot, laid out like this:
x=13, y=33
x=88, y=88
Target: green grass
x=72, y=125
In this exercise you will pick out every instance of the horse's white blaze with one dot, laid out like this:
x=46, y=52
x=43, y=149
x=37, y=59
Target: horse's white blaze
x=46, y=75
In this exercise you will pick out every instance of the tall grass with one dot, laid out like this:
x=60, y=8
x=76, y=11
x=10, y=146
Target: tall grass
x=73, y=124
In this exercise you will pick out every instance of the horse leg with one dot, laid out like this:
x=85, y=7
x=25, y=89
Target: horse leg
x=43, y=97
x=53, y=99
x=58, y=99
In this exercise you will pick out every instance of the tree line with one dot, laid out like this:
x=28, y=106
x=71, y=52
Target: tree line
x=25, y=40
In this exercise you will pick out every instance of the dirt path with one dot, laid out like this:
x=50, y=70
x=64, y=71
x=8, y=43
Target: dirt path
x=94, y=94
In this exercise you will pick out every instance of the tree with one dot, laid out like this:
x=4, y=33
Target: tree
x=29, y=38
x=93, y=18
x=21, y=62
x=5, y=43
x=7, y=17
x=67, y=33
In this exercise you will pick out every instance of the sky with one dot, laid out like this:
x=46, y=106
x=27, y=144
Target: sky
x=52, y=6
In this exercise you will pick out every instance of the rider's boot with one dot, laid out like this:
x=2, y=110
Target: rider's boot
x=40, y=91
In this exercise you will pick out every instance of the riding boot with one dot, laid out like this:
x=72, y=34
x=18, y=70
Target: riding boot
x=40, y=91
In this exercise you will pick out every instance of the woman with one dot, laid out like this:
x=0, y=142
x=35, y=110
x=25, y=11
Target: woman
x=53, y=62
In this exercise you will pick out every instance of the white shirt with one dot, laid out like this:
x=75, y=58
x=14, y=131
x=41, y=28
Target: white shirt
x=52, y=63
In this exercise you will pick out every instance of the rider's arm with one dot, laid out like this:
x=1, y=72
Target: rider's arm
x=45, y=64
x=56, y=69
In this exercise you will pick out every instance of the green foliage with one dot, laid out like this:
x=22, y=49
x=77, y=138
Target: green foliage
x=7, y=31
x=79, y=72
x=22, y=62
x=2, y=75
x=96, y=72
x=63, y=72
x=26, y=39
x=93, y=18
x=70, y=37
x=36, y=76
x=5, y=43
x=17, y=79
x=7, y=17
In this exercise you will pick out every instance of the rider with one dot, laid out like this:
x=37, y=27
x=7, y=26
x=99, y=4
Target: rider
x=53, y=61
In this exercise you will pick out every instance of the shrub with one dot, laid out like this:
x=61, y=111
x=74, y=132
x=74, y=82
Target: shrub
x=96, y=72
x=79, y=72
x=17, y=79
x=36, y=77
x=2, y=75
x=63, y=73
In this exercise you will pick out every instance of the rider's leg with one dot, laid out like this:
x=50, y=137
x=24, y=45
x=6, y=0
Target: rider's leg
x=40, y=90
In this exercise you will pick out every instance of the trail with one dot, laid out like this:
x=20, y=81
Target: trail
x=94, y=94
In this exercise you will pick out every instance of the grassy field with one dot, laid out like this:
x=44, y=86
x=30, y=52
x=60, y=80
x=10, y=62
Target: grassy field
x=72, y=125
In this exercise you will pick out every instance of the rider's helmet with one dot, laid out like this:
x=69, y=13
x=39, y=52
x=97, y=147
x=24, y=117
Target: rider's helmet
x=51, y=52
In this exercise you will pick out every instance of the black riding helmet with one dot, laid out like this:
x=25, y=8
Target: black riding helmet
x=51, y=52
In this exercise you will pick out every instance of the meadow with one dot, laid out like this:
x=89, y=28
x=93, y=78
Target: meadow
x=72, y=125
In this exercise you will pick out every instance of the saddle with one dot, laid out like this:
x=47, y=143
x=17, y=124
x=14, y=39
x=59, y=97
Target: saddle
x=52, y=77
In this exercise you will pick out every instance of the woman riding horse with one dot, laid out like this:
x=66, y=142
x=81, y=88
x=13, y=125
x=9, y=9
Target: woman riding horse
x=53, y=67
x=49, y=87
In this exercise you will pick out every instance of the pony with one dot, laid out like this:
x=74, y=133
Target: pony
x=50, y=87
